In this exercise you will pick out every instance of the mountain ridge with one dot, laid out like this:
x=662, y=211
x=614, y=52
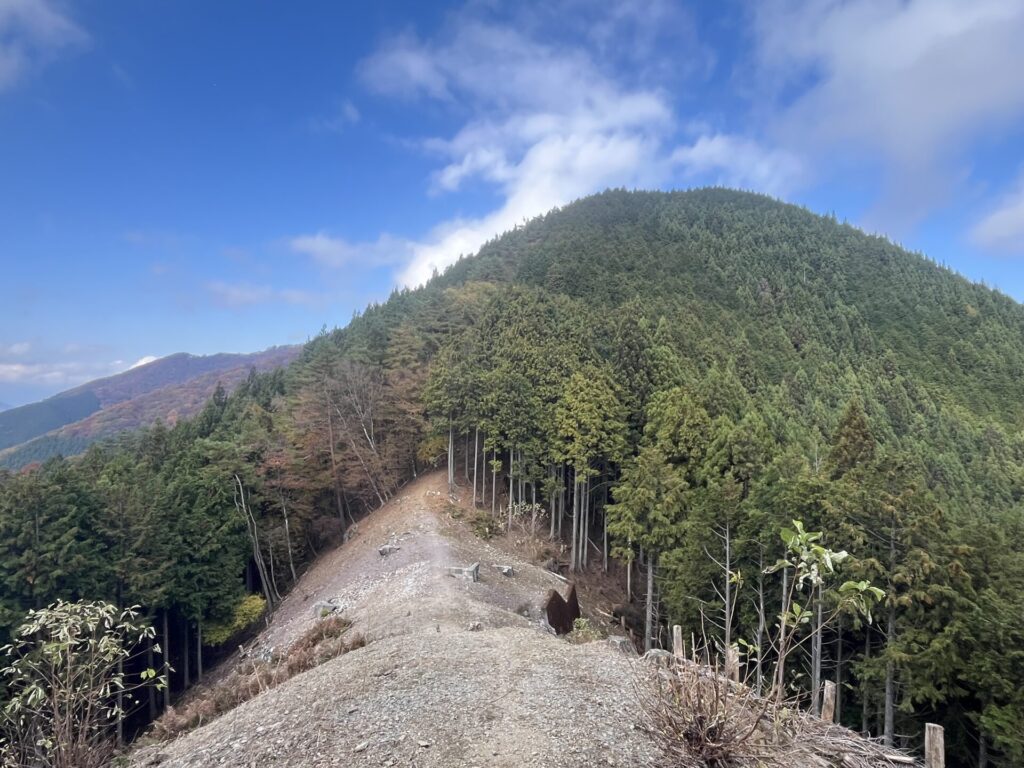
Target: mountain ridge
x=167, y=388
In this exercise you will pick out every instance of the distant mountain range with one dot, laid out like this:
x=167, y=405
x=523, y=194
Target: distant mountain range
x=170, y=388
x=4, y=407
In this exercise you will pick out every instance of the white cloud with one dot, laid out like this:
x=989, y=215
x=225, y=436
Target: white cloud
x=909, y=83
x=544, y=124
x=143, y=361
x=346, y=115
x=1002, y=229
x=31, y=32
x=58, y=374
x=15, y=350
x=334, y=252
x=736, y=161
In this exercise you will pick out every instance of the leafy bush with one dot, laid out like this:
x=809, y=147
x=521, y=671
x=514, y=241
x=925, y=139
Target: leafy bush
x=584, y=632
x=248, y=611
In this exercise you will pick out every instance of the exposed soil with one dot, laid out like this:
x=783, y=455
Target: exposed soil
x=455, y=673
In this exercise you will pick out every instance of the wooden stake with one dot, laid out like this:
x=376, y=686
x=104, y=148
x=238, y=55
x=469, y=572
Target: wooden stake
x=828, y=706
x=732, y=664
x=677, y=641
x=934, y=746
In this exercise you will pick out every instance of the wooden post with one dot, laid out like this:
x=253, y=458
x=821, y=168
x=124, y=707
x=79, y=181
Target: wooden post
x=934, y=746
x=828, y=705
x=732, y=664
x=677, y=641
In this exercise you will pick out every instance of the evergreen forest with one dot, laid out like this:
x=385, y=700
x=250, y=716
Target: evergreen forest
x=665, y=381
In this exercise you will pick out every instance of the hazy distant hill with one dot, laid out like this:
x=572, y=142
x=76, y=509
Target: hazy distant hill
x=169, y=388
x=4, y=407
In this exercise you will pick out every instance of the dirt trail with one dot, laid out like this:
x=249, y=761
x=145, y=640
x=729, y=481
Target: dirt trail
x=456, y=673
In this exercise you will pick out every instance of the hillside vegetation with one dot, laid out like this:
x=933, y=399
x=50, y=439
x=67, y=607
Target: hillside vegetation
x=672, y=377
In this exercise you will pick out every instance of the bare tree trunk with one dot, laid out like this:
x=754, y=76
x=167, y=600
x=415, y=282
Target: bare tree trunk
x=451, y=457
x=629, y=575
x=865, y=715
x=151, y=689
x=839, y=669
x=575, y=525
x=759, y=637
x=728, y=589
x=563, y=489
x=120, y=705
x=166, y=650
x=465, y=459
x=780, y=672
x=186, y=652
x=816, y=657
x=982, y=751
x=552, y=501
x=476, y=455
x=288, y=540
x=649, y=612
x=199, y=651
x=334, y=462
x=889, y=727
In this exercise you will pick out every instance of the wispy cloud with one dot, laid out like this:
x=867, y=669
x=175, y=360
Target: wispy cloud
x=909, y=84
x=334, y=252
x=31, y=33
x=239, y=295
x=545, y=123
x=344, y=117
x=1002, y=228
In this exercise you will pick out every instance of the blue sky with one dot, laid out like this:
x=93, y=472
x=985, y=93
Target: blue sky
x=203, y=177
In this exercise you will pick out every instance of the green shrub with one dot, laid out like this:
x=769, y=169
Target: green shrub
x=584, y=632
x=248, y=611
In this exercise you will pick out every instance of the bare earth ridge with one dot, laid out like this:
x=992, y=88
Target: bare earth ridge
x=455, y=673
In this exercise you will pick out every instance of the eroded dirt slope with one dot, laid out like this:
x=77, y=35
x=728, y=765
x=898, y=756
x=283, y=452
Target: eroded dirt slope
x=455, y=673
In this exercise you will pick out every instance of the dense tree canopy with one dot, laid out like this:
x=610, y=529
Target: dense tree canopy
x=676, y=377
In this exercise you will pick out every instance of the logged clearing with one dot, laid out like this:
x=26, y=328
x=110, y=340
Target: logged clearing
x=454, y=673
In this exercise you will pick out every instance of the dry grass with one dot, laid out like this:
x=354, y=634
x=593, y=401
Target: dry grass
x=703, y=720
x=325, y=640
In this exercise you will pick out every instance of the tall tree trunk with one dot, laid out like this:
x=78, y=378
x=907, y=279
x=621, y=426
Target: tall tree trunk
x=629, y=575
x=465, y=459
x=334, y=463
x=120, y=705
x=890, y=679
x=451, y=457
x=816, y=656
x=476, y=455
x=865, y=714
x=574, y=553
x=839, y=669
x=552, y=501
x=288, y=540
x=649, y=611
x=780, y=671
x=166, y=650
x=889, y=728
x=759, y=637
x=982, y=750
x=563, y=489
x=186, y=652
x=728, y=589
x=151, y=689
x=199, y=651
x=494, y=481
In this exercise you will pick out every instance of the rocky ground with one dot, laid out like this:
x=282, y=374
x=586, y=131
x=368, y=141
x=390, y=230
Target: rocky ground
x=455, y=672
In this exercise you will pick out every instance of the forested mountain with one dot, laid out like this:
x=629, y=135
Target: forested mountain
x=674, y=377
x=169, y=388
